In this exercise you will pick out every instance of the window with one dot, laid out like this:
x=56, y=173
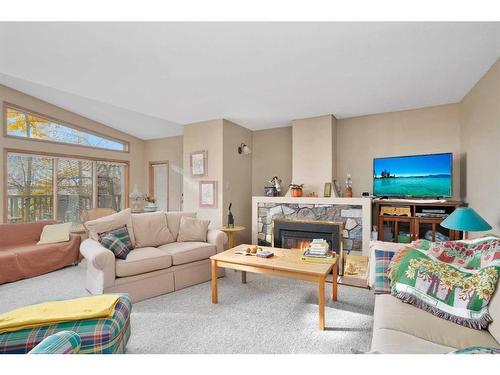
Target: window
x=158, y=181
x=61, y=188
x=21, y=123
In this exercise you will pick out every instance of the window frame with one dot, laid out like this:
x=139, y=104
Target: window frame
x=151, y=187
x=7, y=105
x=6, y=151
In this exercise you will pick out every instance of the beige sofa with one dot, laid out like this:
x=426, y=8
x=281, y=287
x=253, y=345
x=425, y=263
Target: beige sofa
x=401, y=328
x=150, y=271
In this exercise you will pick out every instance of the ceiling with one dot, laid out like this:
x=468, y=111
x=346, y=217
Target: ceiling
x=149, y=79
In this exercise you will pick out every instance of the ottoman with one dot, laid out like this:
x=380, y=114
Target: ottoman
x=98, y=336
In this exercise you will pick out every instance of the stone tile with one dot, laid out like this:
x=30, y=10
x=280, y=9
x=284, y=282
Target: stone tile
x=347, y=244
x=268, y=238
x=306, y=214
x=350, y=224
x=356, y=233
x=276, y=211
x=351, y=213
x=262, y=211
x=261, y=236
x=357, y=245
x=345, y=233
x=306, y=205
x=260, y=226
x=287, y=210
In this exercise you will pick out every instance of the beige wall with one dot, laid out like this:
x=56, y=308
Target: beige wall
x=419, y=131
x=135, y=156
x=480, y=118
x=313, y=152
x=237, y=179
x=201, y=136
x=168, y=149
x=271, y=156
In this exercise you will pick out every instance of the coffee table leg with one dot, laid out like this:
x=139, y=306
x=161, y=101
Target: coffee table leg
x=334, y=283
x=321, y=303
x=243, y=277
x=214, y=281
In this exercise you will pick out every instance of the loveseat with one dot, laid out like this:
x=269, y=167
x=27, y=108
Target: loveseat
x=401, y=328
x=22, y=258
x=148, y=271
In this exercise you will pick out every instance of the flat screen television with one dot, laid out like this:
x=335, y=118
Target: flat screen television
x=413, y=176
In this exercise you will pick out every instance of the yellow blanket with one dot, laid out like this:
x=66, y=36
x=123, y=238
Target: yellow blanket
x=48, y=313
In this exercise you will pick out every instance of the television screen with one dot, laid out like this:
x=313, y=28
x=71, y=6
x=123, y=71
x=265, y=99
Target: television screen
x=413, y=176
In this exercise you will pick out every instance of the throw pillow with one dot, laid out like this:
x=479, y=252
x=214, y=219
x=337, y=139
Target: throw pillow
x=110, y=222
x=383, y=246
x=476, y=350
x=382, y=262
x=55, y=233
x=151, y=229
x=193, y=230
x=120, y=234
x=111, y=242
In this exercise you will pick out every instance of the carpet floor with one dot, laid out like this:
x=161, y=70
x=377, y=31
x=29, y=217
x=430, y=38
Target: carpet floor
x=266, y=315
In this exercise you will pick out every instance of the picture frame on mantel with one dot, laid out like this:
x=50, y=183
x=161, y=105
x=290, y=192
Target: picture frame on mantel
x=208, y=194
x=199, y=163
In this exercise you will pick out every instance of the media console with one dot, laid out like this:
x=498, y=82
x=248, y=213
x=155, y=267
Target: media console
x=406, y=221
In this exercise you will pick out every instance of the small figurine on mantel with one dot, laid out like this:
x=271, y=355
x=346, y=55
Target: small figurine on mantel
x=276, y=181
x=348, y=186
x=230, y=219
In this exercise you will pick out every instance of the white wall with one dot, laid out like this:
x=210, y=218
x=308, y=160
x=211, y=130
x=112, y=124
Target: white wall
x=480, y=120
x=237, y=179
x=419, y=131
x=313, y=152
x=201, y=136
x=271, y=156
x=168, y=149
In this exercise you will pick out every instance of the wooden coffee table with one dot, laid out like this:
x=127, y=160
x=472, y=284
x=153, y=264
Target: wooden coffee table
x=285, y=263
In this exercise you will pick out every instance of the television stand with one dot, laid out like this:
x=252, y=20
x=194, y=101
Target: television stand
x=410, y=220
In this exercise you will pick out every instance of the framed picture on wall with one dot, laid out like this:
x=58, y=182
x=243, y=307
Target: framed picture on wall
x=208, y=194
x=198, y=162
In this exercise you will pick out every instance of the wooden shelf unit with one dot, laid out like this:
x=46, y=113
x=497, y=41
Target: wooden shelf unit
x=415, y=226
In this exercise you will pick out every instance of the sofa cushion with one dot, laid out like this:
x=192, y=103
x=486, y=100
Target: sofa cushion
x=151, y=229
x=142, y=260
x=391, y=313
x=494, y=310
x=174, y=221
x=388, y=341
x=107, y=223
x=187, y=252
x=193, y=230
x=55, y=233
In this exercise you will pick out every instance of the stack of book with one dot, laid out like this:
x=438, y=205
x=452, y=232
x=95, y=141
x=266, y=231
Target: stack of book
x=319, y=252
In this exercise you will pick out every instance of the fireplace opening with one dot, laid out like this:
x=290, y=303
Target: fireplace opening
x=293, y=234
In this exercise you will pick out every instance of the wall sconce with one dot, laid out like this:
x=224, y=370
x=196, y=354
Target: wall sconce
x=244, y=149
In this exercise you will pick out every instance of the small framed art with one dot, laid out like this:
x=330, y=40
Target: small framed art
x=208, y=194
x=198, y=162
x=328, y=190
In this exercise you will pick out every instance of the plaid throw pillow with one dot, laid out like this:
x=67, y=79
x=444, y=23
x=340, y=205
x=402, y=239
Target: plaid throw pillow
x=382, y=262
x=118, y=241
x=120, y=233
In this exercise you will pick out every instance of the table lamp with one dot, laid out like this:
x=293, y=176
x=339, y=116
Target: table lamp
x=467, y=220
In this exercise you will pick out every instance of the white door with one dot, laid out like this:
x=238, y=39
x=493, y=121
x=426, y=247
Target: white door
x=160, y=184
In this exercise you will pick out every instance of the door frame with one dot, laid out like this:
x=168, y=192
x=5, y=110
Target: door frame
x=151, y=181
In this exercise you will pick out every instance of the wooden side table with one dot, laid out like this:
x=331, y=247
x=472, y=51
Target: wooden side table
x=230, y=243
x=230, y=234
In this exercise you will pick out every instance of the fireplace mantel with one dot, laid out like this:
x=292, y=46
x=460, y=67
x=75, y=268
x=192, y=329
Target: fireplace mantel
x=355, y=213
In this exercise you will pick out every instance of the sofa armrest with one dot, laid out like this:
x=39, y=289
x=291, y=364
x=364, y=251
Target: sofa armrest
x=63, y=342
x=217, y=238
x=97, y=255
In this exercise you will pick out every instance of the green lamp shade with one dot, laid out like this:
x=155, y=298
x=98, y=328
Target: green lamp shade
x=465, y=219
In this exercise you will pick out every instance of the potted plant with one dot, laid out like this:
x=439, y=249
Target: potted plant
x=151, y=205
x=296, y=190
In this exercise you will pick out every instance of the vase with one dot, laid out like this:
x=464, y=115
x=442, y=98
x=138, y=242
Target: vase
x=296, y=192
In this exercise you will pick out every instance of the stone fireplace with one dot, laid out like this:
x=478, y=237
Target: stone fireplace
x=353, y=213
x=297, y=234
